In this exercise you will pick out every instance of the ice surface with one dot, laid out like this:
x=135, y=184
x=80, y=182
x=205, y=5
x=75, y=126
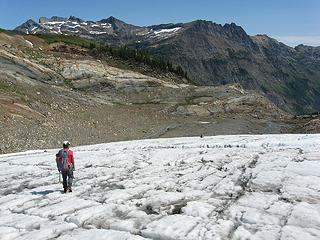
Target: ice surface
x=223, y=187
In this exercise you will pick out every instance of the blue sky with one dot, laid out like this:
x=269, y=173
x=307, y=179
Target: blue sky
x=288, y=20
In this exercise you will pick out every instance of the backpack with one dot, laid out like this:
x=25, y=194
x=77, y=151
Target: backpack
x=63, y=157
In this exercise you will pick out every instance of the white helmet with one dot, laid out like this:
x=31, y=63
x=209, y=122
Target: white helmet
x=66, y=144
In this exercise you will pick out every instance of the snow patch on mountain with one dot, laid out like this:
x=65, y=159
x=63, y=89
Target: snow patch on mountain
x=55, y=23
x=30, y=43
x=106, y=25
x=222, y=187
x=74, y=26
x=164, y=33
x=97, y=32
x=57, y=26
x=171, y=30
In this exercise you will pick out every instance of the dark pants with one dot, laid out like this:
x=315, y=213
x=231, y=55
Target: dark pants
x=67, y=176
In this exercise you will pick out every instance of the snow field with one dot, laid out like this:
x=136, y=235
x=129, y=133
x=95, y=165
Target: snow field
x=222, y=187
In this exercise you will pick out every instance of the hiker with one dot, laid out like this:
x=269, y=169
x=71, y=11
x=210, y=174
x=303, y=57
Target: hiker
x=65, y=165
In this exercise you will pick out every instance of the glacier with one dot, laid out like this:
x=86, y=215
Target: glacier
x=220, y=187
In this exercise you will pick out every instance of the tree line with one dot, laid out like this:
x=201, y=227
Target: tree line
x=124, y=52
x=140, y=56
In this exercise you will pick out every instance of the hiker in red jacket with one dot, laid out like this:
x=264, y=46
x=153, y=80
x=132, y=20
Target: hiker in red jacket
x=65, y=165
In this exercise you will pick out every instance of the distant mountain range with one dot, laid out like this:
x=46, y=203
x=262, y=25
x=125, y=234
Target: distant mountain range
x=211, y=54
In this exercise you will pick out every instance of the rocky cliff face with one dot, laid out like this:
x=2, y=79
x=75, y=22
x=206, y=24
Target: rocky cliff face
x=212, y=54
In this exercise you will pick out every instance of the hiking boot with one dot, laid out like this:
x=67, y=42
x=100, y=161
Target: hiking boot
x=64, y=190
x=69, y=190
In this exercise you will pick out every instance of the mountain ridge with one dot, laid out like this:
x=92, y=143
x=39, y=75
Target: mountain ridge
x=212, y=54
x=113, y=19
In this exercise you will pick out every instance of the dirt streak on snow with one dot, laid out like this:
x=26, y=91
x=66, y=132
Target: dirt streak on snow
x=223, y=187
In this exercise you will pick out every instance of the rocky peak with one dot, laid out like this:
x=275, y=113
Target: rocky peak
x=233, y=29
x=52, y=19
x=117, y=24
x=302, y=46
x=225, y=35
x=27, y=26
x=30, y=22
x=75, y=19
x=311, y=52
x=204, y=26
x=229, y=30
x=112, y=19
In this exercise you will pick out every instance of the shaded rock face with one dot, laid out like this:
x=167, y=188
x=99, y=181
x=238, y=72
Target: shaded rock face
x=212, y=54
x=312, y=52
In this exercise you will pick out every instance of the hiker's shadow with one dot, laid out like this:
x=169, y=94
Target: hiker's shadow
x=45, y=192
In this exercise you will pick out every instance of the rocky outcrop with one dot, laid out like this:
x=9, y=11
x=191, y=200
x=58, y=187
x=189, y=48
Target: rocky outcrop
x=312, y=126
x=311, y=52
